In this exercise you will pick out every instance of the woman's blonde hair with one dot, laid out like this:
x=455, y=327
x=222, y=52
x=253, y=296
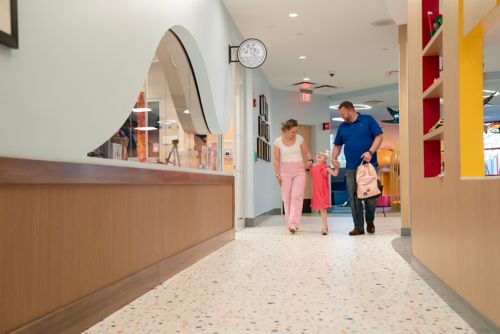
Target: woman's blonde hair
x=291, y=123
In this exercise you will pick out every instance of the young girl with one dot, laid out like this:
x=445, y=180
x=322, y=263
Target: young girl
x=321, y=187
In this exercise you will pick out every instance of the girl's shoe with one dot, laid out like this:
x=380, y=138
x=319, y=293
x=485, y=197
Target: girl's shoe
x=324, y=230
x=292, y=229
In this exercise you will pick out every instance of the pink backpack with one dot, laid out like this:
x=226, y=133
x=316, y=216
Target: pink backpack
x=368, y=184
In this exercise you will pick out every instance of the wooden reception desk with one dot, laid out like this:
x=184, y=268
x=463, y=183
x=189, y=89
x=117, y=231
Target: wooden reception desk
x=78, y=241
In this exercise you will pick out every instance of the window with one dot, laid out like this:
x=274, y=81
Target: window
x=166, y=125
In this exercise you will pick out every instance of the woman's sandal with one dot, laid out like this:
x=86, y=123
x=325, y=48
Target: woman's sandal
x=324, y=230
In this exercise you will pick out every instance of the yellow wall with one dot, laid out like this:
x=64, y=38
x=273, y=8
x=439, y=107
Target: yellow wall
x=471, y=100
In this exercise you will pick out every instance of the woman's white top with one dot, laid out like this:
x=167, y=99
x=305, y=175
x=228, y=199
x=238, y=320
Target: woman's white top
x=290, y=153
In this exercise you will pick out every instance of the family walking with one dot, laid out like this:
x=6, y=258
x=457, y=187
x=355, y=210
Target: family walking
x=360, y=135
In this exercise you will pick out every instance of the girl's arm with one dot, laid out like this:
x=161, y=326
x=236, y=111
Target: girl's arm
x=332, y=172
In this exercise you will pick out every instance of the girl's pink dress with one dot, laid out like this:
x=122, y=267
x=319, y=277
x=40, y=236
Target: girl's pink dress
x=320, y=187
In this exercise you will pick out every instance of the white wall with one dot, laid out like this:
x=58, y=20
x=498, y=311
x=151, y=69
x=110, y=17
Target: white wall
x=55, y=96
x=264, y=182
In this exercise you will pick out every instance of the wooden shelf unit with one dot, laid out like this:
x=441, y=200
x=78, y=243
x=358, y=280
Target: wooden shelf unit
x=432, y=88
x=437, y=134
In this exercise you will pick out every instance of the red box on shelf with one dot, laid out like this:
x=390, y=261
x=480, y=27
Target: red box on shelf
x=431, y=113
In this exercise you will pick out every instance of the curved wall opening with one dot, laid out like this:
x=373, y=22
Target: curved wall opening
x=167, y=124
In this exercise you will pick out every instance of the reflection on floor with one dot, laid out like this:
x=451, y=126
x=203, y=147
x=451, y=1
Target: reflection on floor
x=268, y=281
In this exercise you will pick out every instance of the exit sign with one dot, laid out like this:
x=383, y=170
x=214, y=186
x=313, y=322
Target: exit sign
x=305, y=97
x=326, y=126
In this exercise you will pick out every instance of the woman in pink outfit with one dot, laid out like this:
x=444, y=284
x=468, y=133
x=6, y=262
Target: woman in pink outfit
x=290, y=171
x=321, y=188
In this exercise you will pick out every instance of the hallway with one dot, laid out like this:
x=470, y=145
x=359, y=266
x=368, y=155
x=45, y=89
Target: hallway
x=269, y=281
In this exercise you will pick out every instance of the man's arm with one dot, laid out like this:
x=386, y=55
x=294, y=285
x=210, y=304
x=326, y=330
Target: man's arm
x=367, y=156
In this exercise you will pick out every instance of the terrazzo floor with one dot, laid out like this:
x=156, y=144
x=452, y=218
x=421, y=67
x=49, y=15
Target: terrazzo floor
x=268, y=281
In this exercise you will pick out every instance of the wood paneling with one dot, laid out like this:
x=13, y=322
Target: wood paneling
x=43, y=172
x=62, y=242
x=85, y=312
x=454, y=222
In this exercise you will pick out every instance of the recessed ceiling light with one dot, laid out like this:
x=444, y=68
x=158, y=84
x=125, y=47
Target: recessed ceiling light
x=337, y=119
x=307, y=79
x=302, y=57
x=186, y=111
x=293, y=15
x=356, y=106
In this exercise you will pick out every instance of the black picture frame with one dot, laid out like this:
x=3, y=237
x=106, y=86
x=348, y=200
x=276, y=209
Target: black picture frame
x=11, y=39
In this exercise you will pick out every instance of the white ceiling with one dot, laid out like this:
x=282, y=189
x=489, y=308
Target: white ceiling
x=335, y=35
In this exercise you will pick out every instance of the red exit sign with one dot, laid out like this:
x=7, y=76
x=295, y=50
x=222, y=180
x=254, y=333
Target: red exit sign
x=305, y=97
x=326, y=126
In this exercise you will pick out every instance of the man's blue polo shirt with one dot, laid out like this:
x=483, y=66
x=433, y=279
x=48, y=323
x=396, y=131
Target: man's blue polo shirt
x=357, y=138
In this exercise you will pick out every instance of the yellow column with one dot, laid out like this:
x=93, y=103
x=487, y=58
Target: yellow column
x=471, y=100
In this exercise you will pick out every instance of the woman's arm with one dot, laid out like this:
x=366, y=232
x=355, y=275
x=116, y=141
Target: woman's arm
x=306, y=154
x=276, y=163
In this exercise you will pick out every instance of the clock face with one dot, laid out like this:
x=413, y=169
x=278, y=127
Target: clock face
x=252, y=53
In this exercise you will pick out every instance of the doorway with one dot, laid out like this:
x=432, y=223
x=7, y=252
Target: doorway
x=306, y=132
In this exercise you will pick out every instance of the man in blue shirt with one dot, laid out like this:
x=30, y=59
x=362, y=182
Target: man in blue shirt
x=361, y=136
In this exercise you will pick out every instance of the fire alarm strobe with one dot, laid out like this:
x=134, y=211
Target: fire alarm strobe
x=252, y=53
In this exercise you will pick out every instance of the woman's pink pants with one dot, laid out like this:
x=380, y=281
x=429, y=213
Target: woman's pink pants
x=293, y=181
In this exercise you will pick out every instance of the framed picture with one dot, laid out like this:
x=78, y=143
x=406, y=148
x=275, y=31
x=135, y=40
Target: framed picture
x=265, y=111
x=259, y=126
x=8, y=23
x=259, y=152
x=261, y=105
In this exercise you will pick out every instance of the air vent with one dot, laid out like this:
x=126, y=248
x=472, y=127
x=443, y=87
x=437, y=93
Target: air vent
x=383, y=23
x=326, y=86
x=393, y=73
x=372, y=102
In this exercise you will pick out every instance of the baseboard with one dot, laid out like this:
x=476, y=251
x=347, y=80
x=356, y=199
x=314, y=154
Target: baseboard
x=84, y=313
x=252, y=222
x=406, y=231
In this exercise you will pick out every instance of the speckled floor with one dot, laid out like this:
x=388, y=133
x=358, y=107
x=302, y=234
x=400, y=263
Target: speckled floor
x=268, y=281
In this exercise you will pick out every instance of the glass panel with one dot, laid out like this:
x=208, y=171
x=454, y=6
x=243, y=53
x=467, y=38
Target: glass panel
x=166, y=125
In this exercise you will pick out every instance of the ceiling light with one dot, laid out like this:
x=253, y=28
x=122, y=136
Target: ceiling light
x=141, y=110
x=293, y=15
x=307, y=79
x=489, y=92
x=337, y=119
x=167, y=122
x=356, y=106
x=146, y=128
x=302, y=57
x=187, y=111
